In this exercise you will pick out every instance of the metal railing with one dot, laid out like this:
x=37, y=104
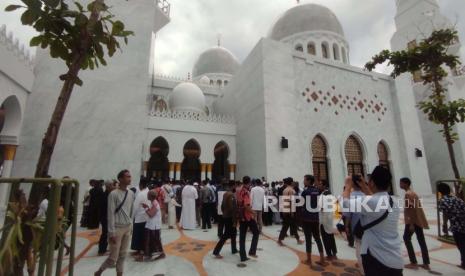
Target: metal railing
x=51, y=229
x=164, y=6
x=443, y=234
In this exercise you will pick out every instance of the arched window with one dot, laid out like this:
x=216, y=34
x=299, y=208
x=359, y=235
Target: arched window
x=319, y=159
x=191, y=168
x=383, y=156
x=354, y=156
x=311, y=49
x=220, y=168
x=299, y=48
x=212, y=82
x=344, y=55
x=226, y=82
x=336, y=52
x=160, y=105
x=219, y=82
x=324, y=50
x=158, y=166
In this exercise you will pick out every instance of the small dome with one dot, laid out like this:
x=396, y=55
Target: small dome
x=215, y=60
x=187, y=96
x=204, y=80
x=304, y=18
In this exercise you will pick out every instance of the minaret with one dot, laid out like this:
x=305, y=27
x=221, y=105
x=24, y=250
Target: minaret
x=416, y=20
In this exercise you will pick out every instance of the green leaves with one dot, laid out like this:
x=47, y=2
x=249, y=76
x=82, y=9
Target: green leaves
x=73, y=32
x=29, y=17
x=13, y=7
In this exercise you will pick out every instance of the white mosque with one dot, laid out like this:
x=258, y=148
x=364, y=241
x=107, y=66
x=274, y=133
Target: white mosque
x=294, y=106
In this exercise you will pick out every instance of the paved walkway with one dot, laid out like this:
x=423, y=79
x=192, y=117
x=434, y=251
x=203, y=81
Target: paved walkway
x=190, y=253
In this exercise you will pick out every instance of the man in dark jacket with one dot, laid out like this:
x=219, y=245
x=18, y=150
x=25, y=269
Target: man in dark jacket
x=229, y=210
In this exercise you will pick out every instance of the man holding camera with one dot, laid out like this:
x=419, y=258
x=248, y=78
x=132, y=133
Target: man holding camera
x=378, y=226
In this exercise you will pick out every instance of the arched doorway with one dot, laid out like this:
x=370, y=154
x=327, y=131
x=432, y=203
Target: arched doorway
x=383, y=156
x=319, y=159
x=221, y=164
x=159, y=166
x=10, y=126
x=354, y=156
x=191, y=168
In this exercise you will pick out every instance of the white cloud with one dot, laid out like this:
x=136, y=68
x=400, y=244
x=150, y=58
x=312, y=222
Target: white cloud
x=195, y=25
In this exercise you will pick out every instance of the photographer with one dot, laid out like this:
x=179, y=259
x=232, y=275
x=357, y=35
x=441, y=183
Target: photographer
x=378, y=226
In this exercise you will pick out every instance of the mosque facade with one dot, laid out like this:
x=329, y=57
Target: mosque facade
x=294, y=106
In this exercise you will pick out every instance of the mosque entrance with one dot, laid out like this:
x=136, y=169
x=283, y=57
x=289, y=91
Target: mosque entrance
x=221, y=165
x=354, y=156
x=191, y=166
x=158, y=166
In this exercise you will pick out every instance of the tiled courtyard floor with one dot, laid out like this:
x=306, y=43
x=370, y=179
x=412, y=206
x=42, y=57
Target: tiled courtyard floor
x=190, y=253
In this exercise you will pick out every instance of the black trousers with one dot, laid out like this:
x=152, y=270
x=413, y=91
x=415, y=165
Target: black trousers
x=373, y=267
x=329, y=242
x=289, y=221
x=178, y=213
x=350, y=236
x=312, y=228
x=460, y=242
x=421, y=241
x=221, y=226
x=103, y=242
x=229, y=233
x=206, y=216
x=244, y=226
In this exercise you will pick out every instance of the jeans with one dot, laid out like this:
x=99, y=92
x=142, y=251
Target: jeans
x=244, y=226
x=206, y=216
x=460, y=242
x=421, y=241
x=221, y=226
x=289, y=221
x=229, y=233
x=258, y=215
x=312, y=228
x=103, y=242
x=329, y=242
x=373, y=267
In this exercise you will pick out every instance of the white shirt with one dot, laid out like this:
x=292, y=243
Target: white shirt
x=383, y=239
x=139, y=213
x=154, y=223
x=43, y=209
x=257, y=196
x=220, y=201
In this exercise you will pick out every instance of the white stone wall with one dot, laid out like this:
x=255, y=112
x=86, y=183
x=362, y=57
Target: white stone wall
x=103, y=130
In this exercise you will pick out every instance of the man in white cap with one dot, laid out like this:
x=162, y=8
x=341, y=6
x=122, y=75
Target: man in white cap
x=189, y=195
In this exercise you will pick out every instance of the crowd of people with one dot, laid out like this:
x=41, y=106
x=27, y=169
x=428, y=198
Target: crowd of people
x=245, y=206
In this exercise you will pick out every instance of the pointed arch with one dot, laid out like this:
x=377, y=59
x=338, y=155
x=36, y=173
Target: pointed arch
x=10, y=116
x=191, y=168
x=384, y=160
x=299, y=47
x=320, y=159
x=220, y=168
x=354, y=155
x=344, y=55
x=158, y=166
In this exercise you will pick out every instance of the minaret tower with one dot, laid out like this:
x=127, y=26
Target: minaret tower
x=416, y=20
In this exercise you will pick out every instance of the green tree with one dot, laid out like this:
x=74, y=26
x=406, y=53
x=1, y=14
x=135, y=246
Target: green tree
x=80, y=36
x=429, y=59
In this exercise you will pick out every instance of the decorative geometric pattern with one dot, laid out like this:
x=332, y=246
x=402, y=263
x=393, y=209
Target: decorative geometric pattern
x=340, y=103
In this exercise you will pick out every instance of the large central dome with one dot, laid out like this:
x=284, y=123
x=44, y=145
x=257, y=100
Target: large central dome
x=215, y=60
x=304, y=18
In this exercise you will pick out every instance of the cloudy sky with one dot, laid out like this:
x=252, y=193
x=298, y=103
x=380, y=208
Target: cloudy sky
x=196, y=24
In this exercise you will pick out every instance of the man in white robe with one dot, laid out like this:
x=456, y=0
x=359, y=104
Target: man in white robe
x=188, y=219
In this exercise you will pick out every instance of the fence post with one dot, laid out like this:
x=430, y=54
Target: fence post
x=73, y=229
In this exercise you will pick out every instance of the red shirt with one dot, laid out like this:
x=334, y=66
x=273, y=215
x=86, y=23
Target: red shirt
x=243, y=200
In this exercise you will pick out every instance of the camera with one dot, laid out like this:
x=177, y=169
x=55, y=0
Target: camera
x=356, y=179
